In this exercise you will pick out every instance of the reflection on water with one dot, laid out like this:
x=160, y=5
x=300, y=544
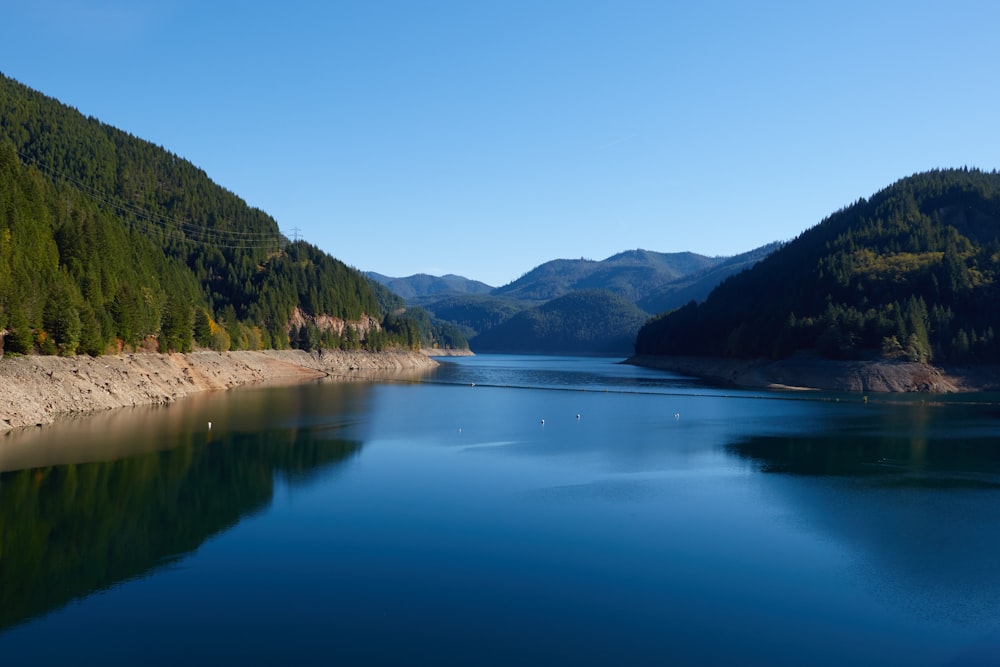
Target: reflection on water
x=912, y=488
x=891, y=460
x=659, y=521
x=952, y=445
x=125, y=432
x=69, y=529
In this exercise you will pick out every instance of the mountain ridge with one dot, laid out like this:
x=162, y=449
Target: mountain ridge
x=510, y=317
x=912, y=273
x=112, y=243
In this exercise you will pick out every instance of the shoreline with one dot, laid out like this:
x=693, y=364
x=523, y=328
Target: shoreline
x=447, y=352
x=36, y=389
x=805, y=372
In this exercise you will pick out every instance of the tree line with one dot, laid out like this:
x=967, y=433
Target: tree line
x=108, y=242
x=913, y=273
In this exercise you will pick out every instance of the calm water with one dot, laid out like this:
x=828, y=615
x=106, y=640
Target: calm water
x=648, y=521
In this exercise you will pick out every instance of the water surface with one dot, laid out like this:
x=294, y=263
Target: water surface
x=506, y=510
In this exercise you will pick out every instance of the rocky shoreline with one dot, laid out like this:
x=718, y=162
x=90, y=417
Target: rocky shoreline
x=810, y=372
x=35, y=390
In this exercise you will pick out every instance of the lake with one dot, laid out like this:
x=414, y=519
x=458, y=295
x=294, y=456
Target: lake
x=507, y=510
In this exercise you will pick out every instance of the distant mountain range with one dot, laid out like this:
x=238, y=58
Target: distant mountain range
x=531, y=314
x=419, y=286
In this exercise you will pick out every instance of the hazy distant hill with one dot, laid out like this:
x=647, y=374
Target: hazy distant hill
x=476, y=313
x=518, y=318
x=583, y=322
x=913, y=272
x=697, y=286
x=421, y=285
x=632, y=274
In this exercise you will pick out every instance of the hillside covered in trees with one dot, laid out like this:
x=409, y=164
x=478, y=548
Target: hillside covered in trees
x=631, y=274
x=642, y=282
x=581, y=322
x=108, y=242
x=911, y=273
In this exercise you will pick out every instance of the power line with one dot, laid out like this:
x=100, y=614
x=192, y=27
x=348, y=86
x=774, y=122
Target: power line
x=173, y=228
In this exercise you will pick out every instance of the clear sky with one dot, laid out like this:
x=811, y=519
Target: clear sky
x=483, y=138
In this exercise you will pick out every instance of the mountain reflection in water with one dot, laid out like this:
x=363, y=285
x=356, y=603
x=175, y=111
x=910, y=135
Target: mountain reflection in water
x=909, y=488
x=901, y=444
x=644, y=522
x=82, y=527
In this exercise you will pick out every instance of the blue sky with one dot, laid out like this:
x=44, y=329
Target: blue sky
x=485, y=138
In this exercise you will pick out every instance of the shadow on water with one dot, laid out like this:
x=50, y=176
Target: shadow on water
x=73, y=529
x=955, y=446
x=914, y=491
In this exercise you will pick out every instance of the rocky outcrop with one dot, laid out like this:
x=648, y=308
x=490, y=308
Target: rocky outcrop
x=37, y=389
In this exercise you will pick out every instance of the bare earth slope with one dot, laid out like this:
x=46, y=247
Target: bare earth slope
x=37, y=389
x=811, y=372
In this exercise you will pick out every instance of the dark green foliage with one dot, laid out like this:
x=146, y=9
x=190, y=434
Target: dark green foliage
x=19, y=339
x=202, y=327
x=92, y=338
x=135, y=312
x=449, y=336
x=308, y=337
x=388, y=301
x=417, y=329
x=108, y=240
x=406, y=328
x=585, y=322
x=177, y=325
x=911, y=273
x=696, y=286
x=475, y=314
x=61, y=318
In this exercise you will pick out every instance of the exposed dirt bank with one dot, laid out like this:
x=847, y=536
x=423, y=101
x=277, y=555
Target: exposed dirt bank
x=439, y=352
x=811, y=372
x=37, y=389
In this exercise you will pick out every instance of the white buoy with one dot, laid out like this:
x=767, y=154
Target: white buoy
x=209, y=426
x=677, y=415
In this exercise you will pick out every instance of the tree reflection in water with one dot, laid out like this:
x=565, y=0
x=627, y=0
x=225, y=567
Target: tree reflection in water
x=67, y=531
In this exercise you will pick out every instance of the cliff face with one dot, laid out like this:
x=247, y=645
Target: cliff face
x=37, y=389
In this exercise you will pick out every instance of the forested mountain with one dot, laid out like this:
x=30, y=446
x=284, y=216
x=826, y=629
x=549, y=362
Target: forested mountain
x=492, y=322
x=476, y=313
x=108, y=242
x=910, y=273
x=631, y=274
x=583, y=322
x=698, y=285
x=422, y=286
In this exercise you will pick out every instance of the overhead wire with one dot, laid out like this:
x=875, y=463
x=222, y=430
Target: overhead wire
x=174, y=228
